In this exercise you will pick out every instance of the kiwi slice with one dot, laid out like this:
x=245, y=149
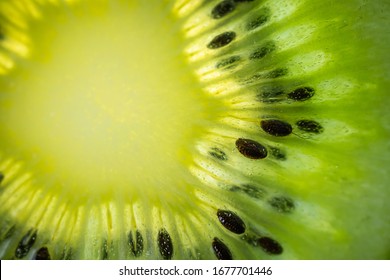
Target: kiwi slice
x=219, y=129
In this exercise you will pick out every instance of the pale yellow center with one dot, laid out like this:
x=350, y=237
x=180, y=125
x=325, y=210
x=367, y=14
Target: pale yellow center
x=105, y=102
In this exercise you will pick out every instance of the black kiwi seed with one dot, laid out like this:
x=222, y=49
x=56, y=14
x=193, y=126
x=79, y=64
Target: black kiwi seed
x=165, y=244
x=310, y=126
x=25, y=244
x=42, y=254
x=1, y=177
x=273, y=74
x=222, y=9
x=218, y=154
x=222, y=40
x=253, y=191
x=251, y=149
x=270, y=246
x=262, y=51
x=282, y=204
x=259, y=21
x=301, y=94
x=227, y=62
x=231, y=221
x=279, y=72
x=249, y=190
x=276, y=127
x=242, y=1
x=221, y=251
x=137, y=245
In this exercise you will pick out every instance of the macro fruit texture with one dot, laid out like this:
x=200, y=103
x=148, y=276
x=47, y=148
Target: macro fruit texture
x=194, y=129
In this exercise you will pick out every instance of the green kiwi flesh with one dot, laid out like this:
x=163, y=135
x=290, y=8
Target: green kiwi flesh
x=220, y=129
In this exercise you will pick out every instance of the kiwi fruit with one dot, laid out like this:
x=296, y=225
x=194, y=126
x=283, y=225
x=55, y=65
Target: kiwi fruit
x=182, y=129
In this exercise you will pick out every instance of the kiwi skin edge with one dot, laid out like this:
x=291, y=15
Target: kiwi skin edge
x=181, y=129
